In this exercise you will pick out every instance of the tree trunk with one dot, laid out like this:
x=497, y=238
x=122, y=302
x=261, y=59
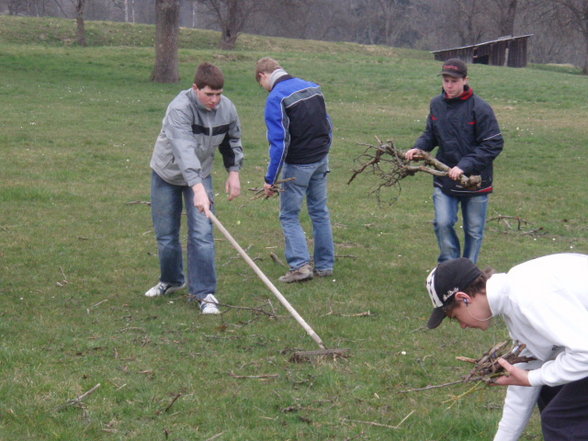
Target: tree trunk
x=585, y=69
x=508, y=12
x=232, y=26
x=167, y=18
x=81, y=28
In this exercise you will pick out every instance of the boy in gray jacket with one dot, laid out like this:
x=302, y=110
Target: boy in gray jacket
x=197, y=122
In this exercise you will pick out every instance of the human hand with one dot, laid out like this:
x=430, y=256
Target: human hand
x=269, y=190
x=233, y=185
x=201, y=201
x=412, y=154
x=455, y=173
x=514, y=376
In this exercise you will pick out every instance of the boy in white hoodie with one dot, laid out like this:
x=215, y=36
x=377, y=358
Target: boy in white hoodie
x=544, y=303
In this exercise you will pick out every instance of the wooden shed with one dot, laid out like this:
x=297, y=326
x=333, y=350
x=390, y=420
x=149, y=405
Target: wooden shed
x=504, y=51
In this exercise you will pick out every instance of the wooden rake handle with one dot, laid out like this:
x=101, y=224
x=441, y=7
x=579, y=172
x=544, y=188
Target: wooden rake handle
x=267, y=282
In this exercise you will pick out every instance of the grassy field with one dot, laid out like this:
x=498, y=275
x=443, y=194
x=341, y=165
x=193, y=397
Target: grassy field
x=77, y=250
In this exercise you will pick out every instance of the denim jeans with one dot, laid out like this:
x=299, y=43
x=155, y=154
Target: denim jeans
x=166, y=210
x=311, y=182
x=473, y=210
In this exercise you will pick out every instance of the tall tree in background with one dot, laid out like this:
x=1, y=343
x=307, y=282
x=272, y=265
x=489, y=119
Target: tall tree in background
x=573, y=14
x=231, y=16
x=392, y=13
x=501, y=15
x=468, y=16
x=80, y=6
x=167, y=30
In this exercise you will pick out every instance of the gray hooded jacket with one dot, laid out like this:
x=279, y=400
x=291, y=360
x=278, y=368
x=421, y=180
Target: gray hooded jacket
x=190, y=133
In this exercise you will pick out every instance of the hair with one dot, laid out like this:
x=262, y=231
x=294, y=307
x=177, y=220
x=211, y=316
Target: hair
x=478, y=286
x=265, y=65
x=209, y=75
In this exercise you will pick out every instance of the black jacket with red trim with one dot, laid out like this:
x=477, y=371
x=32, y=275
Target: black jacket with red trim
x=468, y=136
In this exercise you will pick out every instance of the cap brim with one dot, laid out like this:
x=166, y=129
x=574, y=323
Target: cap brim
x=436, y=318
x=452, y=74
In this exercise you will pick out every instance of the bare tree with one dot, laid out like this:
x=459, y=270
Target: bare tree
x=167, y=30
x=80, y=6
x=231, y=16
x=37, y=8
x=392, y=13
x=573, y=14
x=467, y=13
x=504, y=14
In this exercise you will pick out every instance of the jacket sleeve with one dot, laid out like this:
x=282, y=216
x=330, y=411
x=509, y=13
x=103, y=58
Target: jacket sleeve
x=231, y=148
x=178, y=130
x=278, y=137
x=518, y=406
x=488, y=139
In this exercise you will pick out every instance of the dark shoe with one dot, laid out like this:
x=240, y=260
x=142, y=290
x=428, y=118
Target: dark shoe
x=323, y=273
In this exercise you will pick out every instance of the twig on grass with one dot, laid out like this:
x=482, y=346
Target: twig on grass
x=520, y=222
x=95, y=305
x=64, y=281
x=169, y=405
x=359, y=314
x=78, y=402
x=244, y=308
x=215, y=436
x=255, y=377
x=277, y=260
x=373, y=423
x=139, y=202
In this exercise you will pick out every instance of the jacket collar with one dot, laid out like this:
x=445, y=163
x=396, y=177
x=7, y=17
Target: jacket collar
x=468, y=92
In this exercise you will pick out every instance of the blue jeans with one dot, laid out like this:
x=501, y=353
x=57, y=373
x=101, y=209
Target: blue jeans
x=310, y=182
x=473, y=210
x=166, y=210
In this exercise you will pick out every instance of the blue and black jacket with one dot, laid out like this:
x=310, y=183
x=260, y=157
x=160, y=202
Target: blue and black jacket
x=299, y=129
x=467, y=133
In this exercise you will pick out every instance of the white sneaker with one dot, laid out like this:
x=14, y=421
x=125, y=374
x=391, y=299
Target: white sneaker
x=209, y=305
x=163, y=288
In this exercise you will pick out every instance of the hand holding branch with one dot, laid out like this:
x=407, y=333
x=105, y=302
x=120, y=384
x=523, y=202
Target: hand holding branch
x=269, y=190
x=514, y=376
x=392, y=165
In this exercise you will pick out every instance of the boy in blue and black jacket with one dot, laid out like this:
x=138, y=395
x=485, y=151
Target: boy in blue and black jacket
x=299, y=133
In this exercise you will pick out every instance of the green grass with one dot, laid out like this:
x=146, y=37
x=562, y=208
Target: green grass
x=78, y=126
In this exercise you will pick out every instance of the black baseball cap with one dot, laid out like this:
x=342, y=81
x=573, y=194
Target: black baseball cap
x=446, y=280
x=454, y=67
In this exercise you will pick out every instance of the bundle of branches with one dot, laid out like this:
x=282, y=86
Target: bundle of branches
x=486, y=368
x=260, y=192
x=389, y=164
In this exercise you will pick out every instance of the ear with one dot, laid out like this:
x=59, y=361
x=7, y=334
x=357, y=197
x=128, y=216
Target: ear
x=463, y=297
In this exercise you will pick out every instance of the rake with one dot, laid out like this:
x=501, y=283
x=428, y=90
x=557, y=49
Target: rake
x=300, y=355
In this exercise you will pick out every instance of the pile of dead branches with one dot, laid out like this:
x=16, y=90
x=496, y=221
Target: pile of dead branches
x=486, y=368
x=389, y=164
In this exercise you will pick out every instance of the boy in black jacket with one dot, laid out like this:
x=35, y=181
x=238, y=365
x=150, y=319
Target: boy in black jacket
x=465, y=129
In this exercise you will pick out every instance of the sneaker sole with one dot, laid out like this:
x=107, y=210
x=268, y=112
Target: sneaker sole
x=169, y=291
